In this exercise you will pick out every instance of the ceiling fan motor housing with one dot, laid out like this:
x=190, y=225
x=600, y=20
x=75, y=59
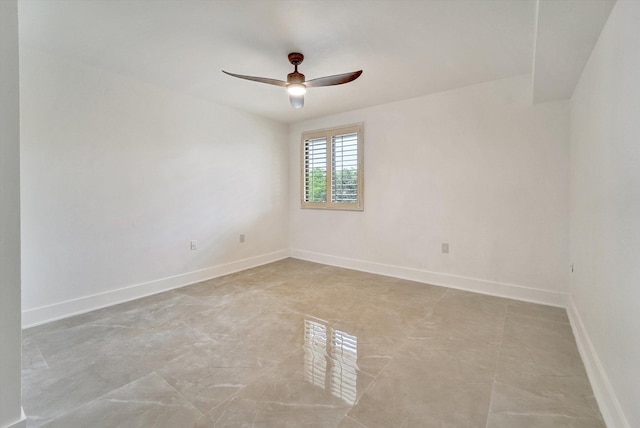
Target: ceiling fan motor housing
x=295, y=77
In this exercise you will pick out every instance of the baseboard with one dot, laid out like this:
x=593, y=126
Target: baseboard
x=22, y=423
x=493, y=288
x=607, y=401
x=45, y=314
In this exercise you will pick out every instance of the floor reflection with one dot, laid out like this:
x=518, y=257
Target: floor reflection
x=330, y=360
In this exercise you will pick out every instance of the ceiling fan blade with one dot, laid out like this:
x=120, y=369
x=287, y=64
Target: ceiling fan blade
x=258, y=79
x=297, y=101
x=338, y=79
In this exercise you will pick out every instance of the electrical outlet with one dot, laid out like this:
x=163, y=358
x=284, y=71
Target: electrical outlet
x=445, y=248
x=242, y=237
x=194, y=245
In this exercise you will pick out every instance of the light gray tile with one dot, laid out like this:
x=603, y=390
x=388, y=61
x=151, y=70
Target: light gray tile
x=348, y=422
x=237, y=351
x=310, y=378
x=465, y=304
x=32, y=358
x=569, y=396
x=529, y=332
x=375, y=352
x=430, y=388
x=86, y=371
x=146, y=402
x=51, y=392
x=541, y=421
x=443, y=329
x=519, y=361
x=247, y=413
x=211, y=372
x=548, y=313
x=533, y=347
x=389, y=403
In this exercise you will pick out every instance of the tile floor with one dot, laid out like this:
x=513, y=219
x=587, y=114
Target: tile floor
x=294, y=344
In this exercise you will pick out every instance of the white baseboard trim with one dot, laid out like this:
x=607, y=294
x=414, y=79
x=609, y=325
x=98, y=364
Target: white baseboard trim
x=492, y=288
x=22, y=423
x=45, y=314
x=607, y=401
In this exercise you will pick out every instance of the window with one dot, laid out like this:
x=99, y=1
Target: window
x=332, y=169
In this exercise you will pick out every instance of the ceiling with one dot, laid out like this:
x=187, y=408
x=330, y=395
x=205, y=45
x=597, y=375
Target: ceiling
x=406, y=48
x=566, y=33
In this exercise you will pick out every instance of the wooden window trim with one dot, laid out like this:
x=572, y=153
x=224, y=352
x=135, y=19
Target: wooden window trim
x=328, y=134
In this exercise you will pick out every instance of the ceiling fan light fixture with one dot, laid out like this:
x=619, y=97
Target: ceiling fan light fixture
x=297, y=84
x=296, y=89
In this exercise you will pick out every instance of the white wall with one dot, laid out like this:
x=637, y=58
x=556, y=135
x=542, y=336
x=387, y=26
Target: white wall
x=476, y=167
x=605, y=213
x=118, y=176
x=10, y=409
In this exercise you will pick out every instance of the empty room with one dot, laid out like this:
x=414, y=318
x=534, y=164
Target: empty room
x=286, y=213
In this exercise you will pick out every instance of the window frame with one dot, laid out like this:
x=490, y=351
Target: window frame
x=328, y=134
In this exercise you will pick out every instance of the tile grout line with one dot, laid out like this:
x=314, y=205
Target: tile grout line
x=495, y=370
x=95, y=399
x=262, y=374
x=177, y=392
x=375, y=378
x=46, y=363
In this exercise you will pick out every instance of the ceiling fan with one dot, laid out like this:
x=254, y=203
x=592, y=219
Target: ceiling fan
x=296, y=85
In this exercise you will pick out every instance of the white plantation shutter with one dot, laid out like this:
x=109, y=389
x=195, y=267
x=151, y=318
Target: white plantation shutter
x=332, y=169
x=344, y=168
x=315, y=170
